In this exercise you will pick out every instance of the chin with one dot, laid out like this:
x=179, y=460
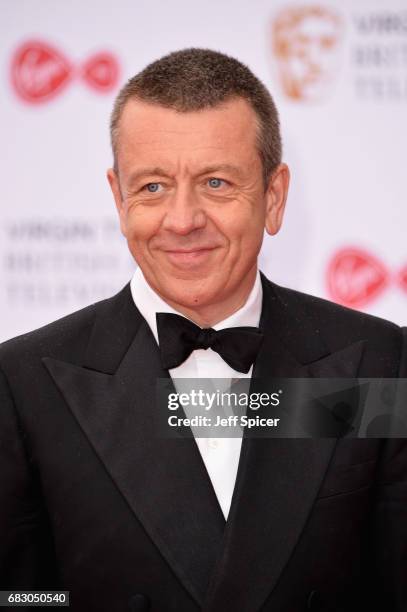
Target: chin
x=190, y=293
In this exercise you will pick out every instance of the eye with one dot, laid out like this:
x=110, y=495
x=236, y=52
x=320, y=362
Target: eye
x=153, y=187
x=215, y=183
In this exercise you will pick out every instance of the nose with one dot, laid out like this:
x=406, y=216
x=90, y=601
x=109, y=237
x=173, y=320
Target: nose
x=184, y=213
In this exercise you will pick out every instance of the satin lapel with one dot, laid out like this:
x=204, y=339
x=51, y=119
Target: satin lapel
x=278, y=479
x=163, y=480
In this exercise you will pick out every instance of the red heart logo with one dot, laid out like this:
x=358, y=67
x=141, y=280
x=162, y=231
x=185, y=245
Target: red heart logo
x=355, y=277
x=39, y=71
x=101, y=71
x=402, y=278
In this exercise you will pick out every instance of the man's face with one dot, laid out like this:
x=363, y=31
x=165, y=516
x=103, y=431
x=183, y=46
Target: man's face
x=191, y=199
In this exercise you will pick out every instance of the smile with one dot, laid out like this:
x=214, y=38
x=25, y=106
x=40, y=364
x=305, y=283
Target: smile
x=189, y=256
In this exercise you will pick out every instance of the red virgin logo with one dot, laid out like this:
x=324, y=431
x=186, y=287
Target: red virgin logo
x=39, y=71
x=403, y=278
x=356, y=277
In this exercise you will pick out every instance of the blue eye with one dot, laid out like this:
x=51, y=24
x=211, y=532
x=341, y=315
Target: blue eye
x=215, y=182
x=153, y=187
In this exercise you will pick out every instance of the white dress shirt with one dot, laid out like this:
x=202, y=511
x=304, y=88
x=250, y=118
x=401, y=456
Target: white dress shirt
x=220, y=455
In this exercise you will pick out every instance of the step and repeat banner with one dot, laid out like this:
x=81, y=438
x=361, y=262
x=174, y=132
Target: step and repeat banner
x=338, y=73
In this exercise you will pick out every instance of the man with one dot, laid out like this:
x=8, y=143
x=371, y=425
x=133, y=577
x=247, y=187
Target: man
x=92, y=500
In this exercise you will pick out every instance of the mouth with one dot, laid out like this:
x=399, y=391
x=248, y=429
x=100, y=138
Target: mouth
x=189, y=257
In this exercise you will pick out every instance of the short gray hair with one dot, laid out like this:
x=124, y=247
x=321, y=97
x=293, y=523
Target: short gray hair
x=195, y=79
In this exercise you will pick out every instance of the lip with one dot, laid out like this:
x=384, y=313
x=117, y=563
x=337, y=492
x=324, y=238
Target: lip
x=189, y=250
x=188, y=257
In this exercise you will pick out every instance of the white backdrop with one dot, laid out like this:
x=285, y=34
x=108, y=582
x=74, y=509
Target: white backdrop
x=337, y=71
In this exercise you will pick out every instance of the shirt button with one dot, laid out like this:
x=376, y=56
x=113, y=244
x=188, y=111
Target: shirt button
x=213, y=443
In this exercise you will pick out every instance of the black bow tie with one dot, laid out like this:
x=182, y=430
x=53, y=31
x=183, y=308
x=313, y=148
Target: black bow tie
x=178, y=337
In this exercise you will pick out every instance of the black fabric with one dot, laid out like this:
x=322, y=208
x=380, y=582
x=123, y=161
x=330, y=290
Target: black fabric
x=178, y=337
x=93, y=501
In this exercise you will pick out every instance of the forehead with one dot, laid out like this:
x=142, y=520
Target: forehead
x=150, y=129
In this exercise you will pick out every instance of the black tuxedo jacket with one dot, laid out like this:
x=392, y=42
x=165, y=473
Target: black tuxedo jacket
x=92, y=501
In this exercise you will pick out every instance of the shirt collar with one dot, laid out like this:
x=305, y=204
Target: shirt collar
x=149, y=303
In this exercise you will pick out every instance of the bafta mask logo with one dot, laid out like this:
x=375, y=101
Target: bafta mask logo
x=306, y=42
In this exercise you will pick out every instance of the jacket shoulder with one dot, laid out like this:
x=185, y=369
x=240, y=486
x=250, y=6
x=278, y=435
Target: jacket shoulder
x=61, y=337
x=338, y=325
x=328, y=312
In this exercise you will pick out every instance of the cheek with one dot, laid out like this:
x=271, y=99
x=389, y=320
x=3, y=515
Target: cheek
x=142, y=224
x=242, y=225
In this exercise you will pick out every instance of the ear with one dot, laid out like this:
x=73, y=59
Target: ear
x=113, y=179
x=276, y=196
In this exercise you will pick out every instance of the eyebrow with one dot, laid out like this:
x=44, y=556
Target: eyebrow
x=138, y=174
x=222, y=168
x=157, y=171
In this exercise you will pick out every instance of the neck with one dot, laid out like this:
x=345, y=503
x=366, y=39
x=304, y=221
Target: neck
x=211, y=314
